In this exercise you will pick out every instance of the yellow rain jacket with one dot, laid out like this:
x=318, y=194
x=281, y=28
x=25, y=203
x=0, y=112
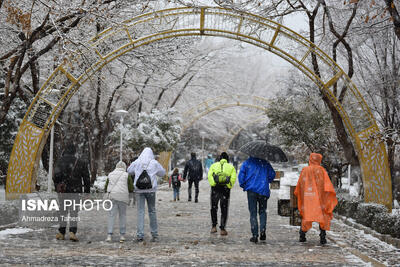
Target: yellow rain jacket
x=227, y=169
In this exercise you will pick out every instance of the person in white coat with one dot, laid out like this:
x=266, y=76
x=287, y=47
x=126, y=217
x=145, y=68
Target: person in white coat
x=118, y=186
x=146, y=161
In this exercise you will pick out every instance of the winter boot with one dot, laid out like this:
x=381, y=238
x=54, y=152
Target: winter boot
x=254, y=239
x=263, y=236
x=322, y=237
x=109, y=238
x=223, y=232
x=302, y=236
x=213, y=230
x=73, y=237
x=60, y=236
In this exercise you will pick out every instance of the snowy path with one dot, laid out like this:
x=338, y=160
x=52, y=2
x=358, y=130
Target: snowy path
x=185, y=239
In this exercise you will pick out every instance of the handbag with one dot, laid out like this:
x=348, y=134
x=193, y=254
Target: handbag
x=144, y=180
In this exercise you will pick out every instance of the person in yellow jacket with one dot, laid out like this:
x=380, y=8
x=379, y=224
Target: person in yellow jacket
x=222, y=177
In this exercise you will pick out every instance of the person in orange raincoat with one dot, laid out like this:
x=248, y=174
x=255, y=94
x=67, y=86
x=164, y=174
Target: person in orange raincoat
x=316, y=198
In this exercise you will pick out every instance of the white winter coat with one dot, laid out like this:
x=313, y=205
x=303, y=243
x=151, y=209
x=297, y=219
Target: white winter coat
x=146, y=162
x=118, y=183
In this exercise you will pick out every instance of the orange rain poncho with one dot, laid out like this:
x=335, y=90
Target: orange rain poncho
x=316, y=197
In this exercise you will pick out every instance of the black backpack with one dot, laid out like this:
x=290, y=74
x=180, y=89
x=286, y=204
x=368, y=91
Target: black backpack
x=175, y=180
x=144, y=180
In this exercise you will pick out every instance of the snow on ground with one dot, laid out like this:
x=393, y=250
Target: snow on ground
x=14, y=231
x=185, y=239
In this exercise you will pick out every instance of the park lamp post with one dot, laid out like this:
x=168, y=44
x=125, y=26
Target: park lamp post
x=53, y=92
x=122, y=113
x=202, y=134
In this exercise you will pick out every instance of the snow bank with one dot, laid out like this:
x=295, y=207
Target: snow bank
x=14, y=231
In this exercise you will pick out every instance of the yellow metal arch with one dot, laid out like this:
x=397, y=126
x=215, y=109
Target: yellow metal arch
x=84, y=61
x=192, y=115
x=237, y=129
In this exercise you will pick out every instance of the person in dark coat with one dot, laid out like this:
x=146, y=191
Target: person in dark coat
x=70, y=173
x=193, y=172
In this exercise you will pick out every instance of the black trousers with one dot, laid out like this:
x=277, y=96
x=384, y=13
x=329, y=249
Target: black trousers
x=68, y=213
x=220, y=194
x=196, y=189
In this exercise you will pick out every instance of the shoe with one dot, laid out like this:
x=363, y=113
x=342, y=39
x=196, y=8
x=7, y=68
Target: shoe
x=178, y=198
x=174, y=199
x=189, y=199
x=122, y=239
x=223, y=232
x=154, y=239
x=302, y=236
x=109, y=238
x=60, y=236
x=263, y=236
x=73, y=237
x=139, y=239
x=196, y=200
x=213, y=229
x=322, y=237
x=254, y=239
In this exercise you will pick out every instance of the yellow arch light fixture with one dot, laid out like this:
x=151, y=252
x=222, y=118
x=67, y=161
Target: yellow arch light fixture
x=116, y=41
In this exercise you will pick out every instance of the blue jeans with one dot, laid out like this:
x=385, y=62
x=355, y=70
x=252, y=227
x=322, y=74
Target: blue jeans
x=151, y=206
x=120, y=208
x=254, y=200
x=176, y=192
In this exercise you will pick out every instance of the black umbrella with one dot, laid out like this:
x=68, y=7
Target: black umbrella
x=263, y=150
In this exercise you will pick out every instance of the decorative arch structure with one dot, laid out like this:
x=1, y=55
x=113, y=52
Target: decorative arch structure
x=84, y=60
x=235, y=131
x=222, y=102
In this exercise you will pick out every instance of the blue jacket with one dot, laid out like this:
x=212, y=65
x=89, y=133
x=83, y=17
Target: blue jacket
x=255, y=175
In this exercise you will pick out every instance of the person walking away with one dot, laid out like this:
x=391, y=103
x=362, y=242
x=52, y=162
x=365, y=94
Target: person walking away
x=193, y=172
x=208, y=162
x=254, y=177
x=118, y=186
x=221, y=177
x=316, y=198
x=146, y=165
x=175, y=180
x=69, y=173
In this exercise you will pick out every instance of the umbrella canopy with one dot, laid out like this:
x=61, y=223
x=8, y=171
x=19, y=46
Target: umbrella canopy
x=263, y=150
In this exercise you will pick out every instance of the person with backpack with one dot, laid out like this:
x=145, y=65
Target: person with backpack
x=254, y=177
x=221, y=177
x=69, y=173
x=175, y=180
x=145, y=169
x=117, y=188
x=194, y=173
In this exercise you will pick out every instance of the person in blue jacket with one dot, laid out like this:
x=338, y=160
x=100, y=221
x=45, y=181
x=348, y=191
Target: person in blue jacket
x=254, y=177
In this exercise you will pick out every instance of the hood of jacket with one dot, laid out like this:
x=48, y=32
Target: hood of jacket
x=315, y=159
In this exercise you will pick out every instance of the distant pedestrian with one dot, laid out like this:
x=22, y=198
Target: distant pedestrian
x=70, y=173
x=208, y=162
x=254, y=177
x=193, y=172
x=222, y=177
x=148, y=166
x=118, y=186
x=316, y=198
x=175, y=180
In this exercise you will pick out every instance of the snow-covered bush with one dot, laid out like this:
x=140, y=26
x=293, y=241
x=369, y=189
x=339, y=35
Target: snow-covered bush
x=366, y=212
x=98, y=185
x=159, y=130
